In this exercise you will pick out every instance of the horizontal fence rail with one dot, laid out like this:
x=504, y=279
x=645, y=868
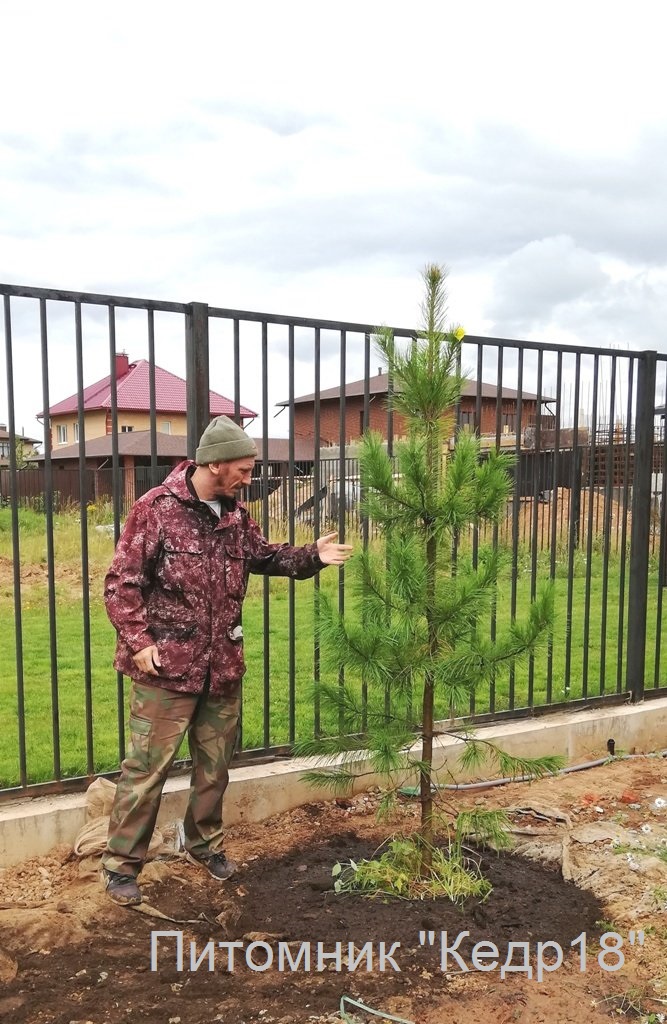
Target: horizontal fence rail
x=587, y=509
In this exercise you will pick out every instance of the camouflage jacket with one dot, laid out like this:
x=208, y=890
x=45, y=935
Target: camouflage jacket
x=178, y=579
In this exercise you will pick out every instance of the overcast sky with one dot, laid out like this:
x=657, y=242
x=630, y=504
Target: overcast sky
x=309, y=159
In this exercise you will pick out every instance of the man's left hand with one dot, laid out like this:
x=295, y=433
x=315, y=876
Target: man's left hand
x=332, y=553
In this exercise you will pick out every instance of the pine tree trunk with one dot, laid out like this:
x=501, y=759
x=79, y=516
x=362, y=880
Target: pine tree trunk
x=425, y=781
x=434, y=464
x=426, y=829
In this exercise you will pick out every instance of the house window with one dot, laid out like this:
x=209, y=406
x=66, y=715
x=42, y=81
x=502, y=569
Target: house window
x=509, y=420
x=166, y=426
x=4, y=450
x=61, y=433
x=76, y=432
x=125, y=429
x=467, y=418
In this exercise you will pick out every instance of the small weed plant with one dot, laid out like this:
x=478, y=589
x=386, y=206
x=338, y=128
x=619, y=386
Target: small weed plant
x=397, y=872
x=454, y=870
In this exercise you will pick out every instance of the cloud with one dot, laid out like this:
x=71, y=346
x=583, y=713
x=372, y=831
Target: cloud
x=537, y=278
x=628, y=313
x=555, y=290
x=522, y=188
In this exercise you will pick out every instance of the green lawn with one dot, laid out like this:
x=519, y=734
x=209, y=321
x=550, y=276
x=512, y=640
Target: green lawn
x=105, y=754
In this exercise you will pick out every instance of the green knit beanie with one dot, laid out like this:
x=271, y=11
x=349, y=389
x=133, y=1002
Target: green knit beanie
x=223, y=441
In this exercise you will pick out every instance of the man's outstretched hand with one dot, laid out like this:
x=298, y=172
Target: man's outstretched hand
x=332, y=553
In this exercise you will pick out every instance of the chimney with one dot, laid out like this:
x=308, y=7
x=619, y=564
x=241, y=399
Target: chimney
x=122, y=364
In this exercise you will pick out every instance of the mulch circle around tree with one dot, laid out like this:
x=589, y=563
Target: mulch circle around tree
x=79, y=958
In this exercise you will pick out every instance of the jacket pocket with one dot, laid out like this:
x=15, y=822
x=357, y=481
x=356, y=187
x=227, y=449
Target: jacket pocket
x=235, y=572
x=179, y=567
x=177, y=656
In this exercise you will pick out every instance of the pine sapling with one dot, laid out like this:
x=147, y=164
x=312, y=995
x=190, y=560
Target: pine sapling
x=413, y=634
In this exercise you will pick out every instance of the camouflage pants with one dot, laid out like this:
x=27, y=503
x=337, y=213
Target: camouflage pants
x=158, y=722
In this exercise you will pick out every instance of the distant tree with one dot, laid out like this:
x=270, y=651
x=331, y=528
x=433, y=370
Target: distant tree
x=412, y=635
x=22, y=450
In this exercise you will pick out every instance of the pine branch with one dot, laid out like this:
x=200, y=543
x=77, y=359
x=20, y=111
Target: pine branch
x=330, y=749
x=335, y=780
x=487, y=827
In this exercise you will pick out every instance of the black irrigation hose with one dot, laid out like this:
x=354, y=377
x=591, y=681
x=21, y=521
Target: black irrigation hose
x=490, y=783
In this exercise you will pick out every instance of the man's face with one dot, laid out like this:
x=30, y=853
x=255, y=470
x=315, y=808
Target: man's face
x=232, y=477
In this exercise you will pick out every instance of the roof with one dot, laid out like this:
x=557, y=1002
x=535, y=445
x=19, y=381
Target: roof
x=379, y=385
x=138, y=442
x=278, y=451
x=4, y=436
x=134, y=442
x=133, y=394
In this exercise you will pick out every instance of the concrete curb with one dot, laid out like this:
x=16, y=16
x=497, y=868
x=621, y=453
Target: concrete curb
x=30, y=827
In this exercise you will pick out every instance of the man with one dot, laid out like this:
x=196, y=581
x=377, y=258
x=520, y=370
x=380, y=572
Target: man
x=174, y=592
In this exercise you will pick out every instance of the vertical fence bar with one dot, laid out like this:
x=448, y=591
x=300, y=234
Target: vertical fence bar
x=662, y=545
x=554, y=515
x=237, y=371
x=317, y=485
x=592, y=463
x=477, y=428
x=390, y=453
x=16, y=551
x=152, y=403
x=573, y=526
x=341, y=494
x=197, y=373
x=50, y=552
x=535, y=511
x=494, y=540
x=366, y=421
x=115, y=494
x=624, y=530
x=290, y=528
x=606, y=535
x=113, y=391
x=516, y=509
x=85, y=575
x=457, y=427
x=641, y=524
x=364, y=517
x=236, y=349
x=266, y=650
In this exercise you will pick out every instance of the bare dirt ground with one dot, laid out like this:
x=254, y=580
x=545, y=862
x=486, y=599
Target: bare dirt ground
x=588, y=859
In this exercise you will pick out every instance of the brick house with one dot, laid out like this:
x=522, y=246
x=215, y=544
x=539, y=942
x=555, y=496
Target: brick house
x=304, y=410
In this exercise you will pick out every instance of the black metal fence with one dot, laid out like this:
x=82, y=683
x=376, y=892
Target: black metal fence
x=587, y=511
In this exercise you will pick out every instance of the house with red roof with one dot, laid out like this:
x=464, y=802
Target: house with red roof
x=133, y=405
x=133, y=434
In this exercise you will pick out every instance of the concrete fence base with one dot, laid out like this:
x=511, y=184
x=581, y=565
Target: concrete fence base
x=31, y=827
